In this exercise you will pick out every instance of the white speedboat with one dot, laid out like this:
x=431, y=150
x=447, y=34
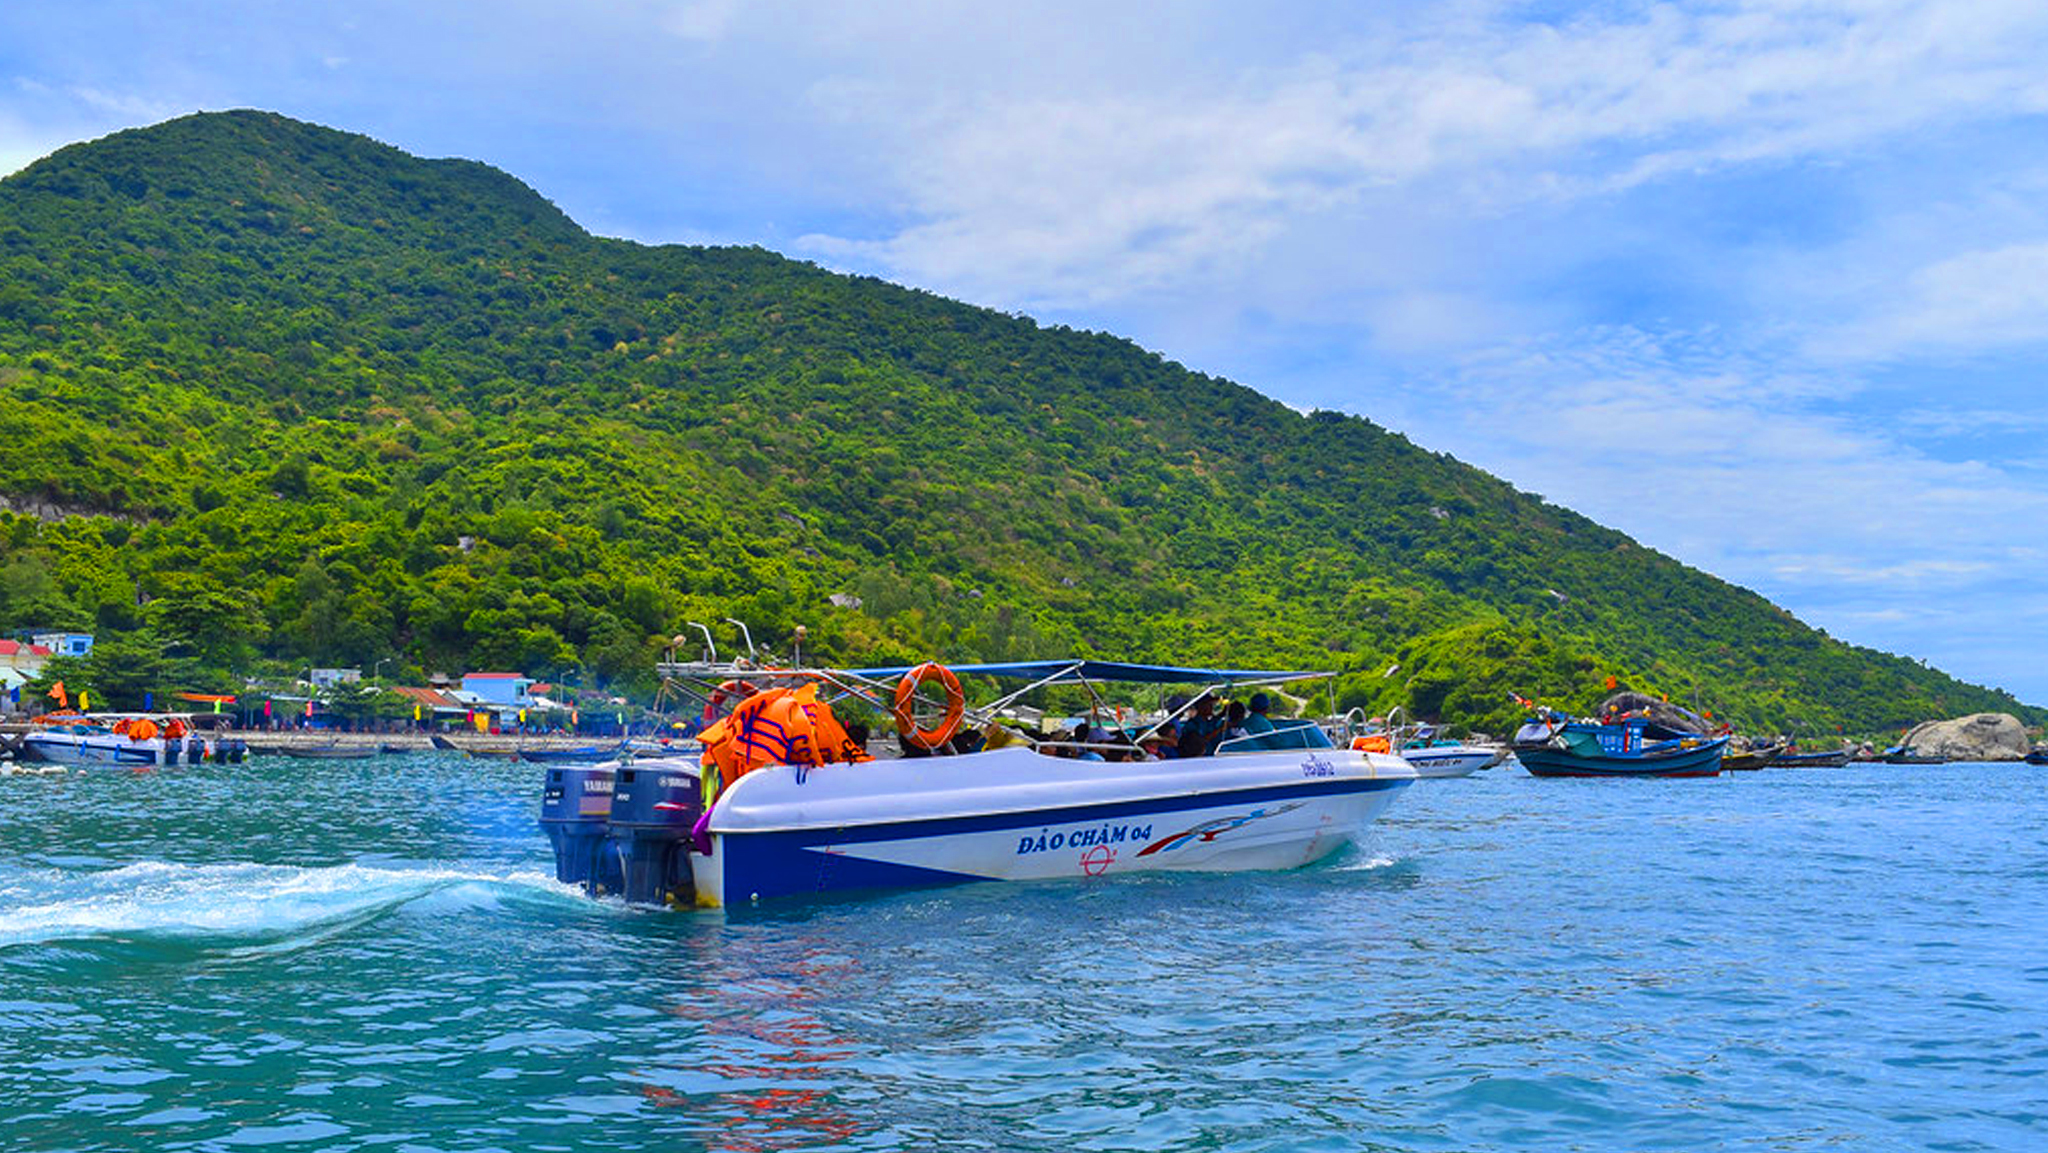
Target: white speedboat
x=112, y=739
x=1433, y=757
x=1434, y=761
x=1025, y=812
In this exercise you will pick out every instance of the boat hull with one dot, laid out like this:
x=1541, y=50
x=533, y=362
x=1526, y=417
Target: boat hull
x=1438, y=762
x=1015, y=815
x=1812, y=760
x=1750, y=760
x=76, y=749
x=1548, y=761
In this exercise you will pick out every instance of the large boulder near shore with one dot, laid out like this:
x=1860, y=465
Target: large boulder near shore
x=1978, y=737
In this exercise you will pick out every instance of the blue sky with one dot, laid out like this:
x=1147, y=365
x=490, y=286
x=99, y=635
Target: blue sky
x=1763, y=283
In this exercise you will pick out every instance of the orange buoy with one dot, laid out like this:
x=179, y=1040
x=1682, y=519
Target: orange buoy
x=906, y=701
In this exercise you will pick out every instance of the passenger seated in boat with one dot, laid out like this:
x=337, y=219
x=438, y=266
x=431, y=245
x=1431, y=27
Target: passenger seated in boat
x=1233, y=722
x=1162, y=745
x=1257, y=724
x=1082, y=735
x=1123, y=748
x=1202, y=729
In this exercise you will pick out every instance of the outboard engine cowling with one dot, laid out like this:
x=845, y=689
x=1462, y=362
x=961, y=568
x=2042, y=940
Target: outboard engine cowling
x=575, y=813
x=654, y=808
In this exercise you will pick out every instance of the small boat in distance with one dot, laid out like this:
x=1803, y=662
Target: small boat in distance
x=1551, y=744
x=329, y=752
x=1833, y=759
x=1752, y=758
x=134, y=739
x=584, y=754
x=1433, y=758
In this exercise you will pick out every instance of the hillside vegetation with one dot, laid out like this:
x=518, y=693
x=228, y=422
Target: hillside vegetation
x=275, y=393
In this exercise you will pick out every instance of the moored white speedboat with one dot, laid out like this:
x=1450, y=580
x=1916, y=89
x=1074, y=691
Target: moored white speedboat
x=1453, y=760
x=127, y=739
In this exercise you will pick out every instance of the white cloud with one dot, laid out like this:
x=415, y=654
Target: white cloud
x=1022, y=197
x=702, y=20
x=1973, y=301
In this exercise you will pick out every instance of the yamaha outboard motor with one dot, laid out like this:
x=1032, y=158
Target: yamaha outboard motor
x=654, y=808
x=575, y=812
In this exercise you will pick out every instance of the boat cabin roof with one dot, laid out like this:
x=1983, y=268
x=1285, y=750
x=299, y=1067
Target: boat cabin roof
x=1077, y=670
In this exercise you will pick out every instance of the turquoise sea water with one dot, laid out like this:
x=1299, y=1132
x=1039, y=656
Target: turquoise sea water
x=371, y=955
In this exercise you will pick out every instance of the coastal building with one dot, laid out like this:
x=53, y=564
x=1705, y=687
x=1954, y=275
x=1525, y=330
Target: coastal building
x=25, y=656
x=504, y=689
x=328, y=678
x=62, y=644
x=433, y=705
x=502, y=695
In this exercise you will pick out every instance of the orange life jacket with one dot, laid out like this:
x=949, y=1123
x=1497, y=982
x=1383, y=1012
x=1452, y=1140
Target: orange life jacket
x=775, y=727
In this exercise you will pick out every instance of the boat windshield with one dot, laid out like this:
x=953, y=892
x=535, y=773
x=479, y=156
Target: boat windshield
x=1286, y=734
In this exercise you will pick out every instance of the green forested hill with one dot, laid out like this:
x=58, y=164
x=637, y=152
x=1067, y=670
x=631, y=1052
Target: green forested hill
x=270, y=392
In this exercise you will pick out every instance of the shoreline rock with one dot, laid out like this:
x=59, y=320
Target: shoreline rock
x=1977, y=737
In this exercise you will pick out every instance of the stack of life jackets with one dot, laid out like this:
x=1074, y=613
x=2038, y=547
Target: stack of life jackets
x=776, y=727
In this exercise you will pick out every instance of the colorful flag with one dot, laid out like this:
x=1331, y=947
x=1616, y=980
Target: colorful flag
x=85, y=700
x=1611, y=682
x=57, y=694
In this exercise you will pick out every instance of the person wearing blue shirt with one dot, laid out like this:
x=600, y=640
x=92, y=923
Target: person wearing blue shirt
x=1257, y=724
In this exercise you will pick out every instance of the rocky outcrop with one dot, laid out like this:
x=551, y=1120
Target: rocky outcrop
x=43, y=508
x=1979, y=737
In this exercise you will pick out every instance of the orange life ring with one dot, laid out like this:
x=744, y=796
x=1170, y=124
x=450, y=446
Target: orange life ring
x=906, y=699
x=714, y=705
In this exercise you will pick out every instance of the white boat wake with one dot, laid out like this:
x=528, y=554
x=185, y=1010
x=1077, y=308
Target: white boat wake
x=238, y=900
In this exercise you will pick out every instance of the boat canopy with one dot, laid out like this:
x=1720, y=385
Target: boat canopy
x=1077, y=670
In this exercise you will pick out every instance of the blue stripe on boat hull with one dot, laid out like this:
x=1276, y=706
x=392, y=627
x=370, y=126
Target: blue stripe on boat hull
x=796, y=862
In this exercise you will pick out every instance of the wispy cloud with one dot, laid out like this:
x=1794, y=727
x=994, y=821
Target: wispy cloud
x=1100, y=193
x=1761, y=282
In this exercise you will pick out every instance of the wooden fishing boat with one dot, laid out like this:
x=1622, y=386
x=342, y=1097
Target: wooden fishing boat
x=1834, y=759
x=1751, y=759
x=583, y=754
x=329, y=752
x=1554, y=745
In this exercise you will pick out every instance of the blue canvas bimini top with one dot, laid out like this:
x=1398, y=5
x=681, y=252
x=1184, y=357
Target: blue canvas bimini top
x=1090, y=670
